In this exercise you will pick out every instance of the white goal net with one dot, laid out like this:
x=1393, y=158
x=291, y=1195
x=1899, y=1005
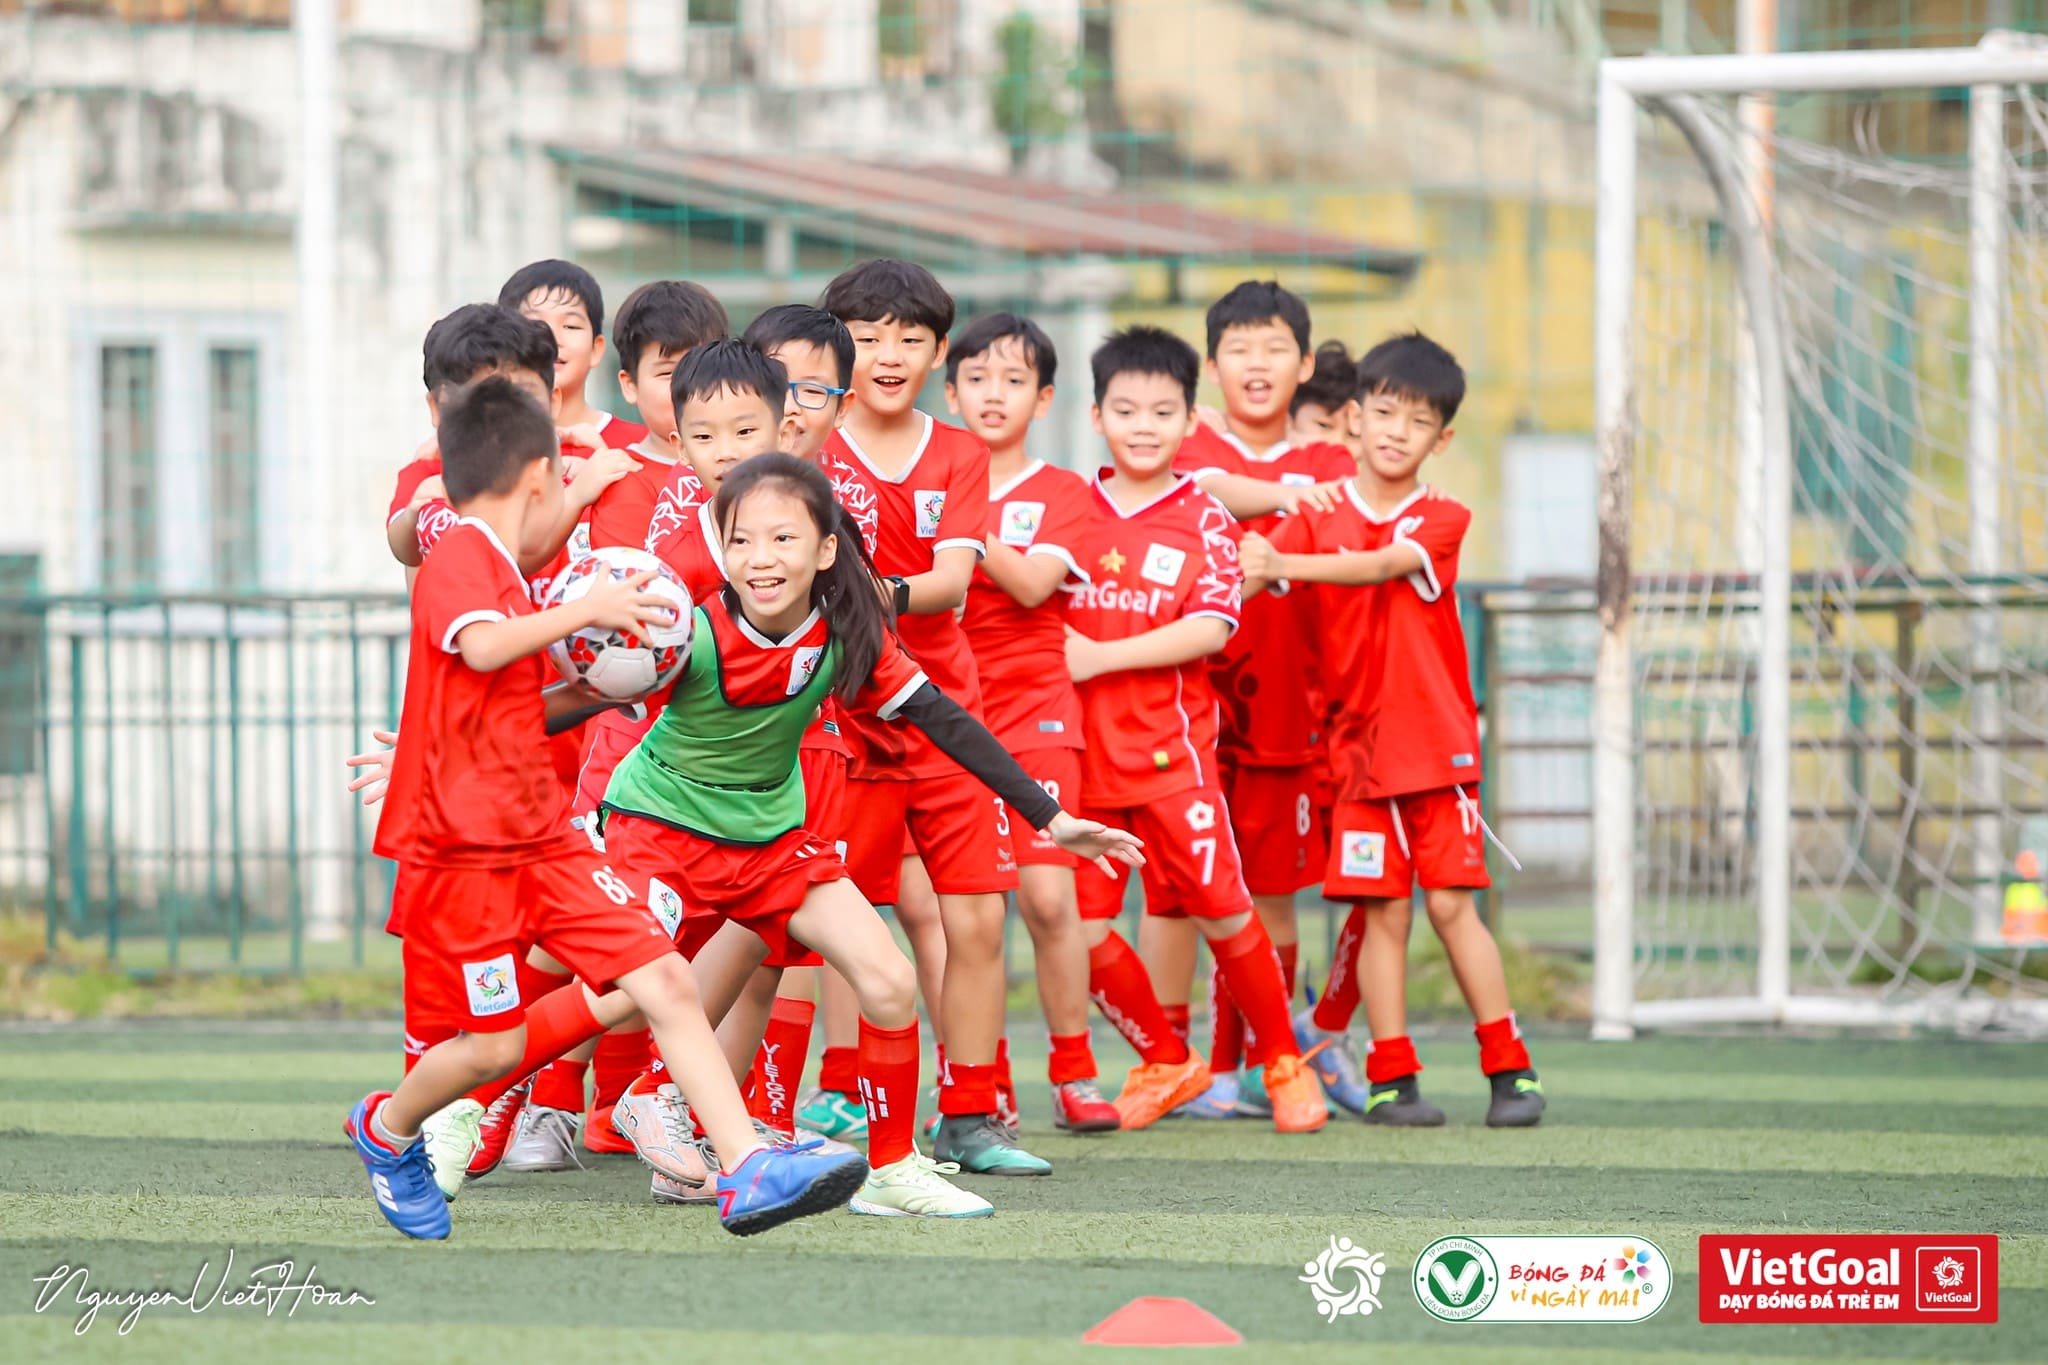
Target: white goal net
x=1823, y=709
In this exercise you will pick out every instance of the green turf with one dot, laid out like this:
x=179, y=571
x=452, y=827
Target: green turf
x=142, y=1152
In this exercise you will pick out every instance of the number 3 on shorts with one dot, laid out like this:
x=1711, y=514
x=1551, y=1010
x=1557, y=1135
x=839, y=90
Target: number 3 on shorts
x=613, y=885
x=1002, y=819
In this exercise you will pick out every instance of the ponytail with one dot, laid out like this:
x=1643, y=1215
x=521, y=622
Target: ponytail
x=849, y=593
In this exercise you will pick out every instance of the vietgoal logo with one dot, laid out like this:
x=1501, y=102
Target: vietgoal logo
x=1858, y=1278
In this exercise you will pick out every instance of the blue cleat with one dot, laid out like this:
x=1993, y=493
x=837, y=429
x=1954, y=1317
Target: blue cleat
x=402, y=1181
x=1219, y=1101
x=777, y=1184
x=1334, y=1059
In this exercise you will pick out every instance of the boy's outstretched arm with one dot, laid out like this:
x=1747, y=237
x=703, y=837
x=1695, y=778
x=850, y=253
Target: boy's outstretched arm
x=1263, y=565
x=492, y=642
x=1168, y=646
x=1247, y=498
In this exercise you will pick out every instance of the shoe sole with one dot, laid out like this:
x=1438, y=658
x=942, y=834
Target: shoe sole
x=1427, y=1121
x=861, y=1206
x=537, y=1167
x=1108, y=1125
x=1186, y=1091
x=831, y=1192
x=1516, y=1120
x=1013, y=1171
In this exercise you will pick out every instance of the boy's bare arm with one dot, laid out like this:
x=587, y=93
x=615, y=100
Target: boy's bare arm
x=943, y=587
x=1247, y=498
x=1030, y=579
x=403, y=536
x=1264, y=565
x=1168, y=646
x=616, y=604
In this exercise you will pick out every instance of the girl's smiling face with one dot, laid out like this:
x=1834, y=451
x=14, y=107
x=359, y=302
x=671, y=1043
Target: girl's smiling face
x=773, y=553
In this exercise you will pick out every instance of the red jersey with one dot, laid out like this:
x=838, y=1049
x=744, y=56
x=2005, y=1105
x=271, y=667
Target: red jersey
x=415, y=473
x=1267, y=678
x=465, y=790
x=618, y=433
x=937, y=501
x=1020, y=652
x=621, y=514
x=1151, y=732
x=1402, y=690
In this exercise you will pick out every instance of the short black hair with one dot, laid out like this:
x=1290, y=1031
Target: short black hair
x=729, y=365
x=489, y=432
x=1146, y=350
x=1254, y=302
x=981, y=335
x=787, y=322
x=1412, y=366
x=675, y=315
x=890, y=291
x=1334, y=383
x=555, y=277
x=482, y=336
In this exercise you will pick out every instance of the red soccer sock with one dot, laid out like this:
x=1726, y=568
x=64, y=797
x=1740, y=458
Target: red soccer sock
x=1122, y=990
x=647, y=1082
x=779, y=1062
x=1251, y=971
x=1073, y=1059
x=1006, y=1086
x=1177, y=1017
x=1290, y=957
x=1226, y=1026
x=557, y=1022
x=888, y=1084
x=969, y=1088
x=839, y=1071
x=559, y=1085
x=1500, y=1045
x=620, y=1057
x=1389, y=1059
x=1340, y=1001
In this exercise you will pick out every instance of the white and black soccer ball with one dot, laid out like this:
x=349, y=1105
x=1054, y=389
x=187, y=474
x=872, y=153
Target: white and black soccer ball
x=616, y=663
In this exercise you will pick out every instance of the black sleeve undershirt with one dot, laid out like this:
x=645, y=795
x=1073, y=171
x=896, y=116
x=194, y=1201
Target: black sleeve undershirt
x=965, y=740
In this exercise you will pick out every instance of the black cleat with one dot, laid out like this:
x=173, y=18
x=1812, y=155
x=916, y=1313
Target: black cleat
x=1399, y=1104
x=1517, y=1100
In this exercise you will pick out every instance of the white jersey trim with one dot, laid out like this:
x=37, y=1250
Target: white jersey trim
x=1060, y=553
x=708, y=528
x=888, y=709
x=1365, y=509
x=464, y=622
x=746, y=628
x=1229, y=620
x=980, y=547
x=1180, y=482
x=1424, y=581
x=492, y=536
x=1015, y=481
x=923, y=441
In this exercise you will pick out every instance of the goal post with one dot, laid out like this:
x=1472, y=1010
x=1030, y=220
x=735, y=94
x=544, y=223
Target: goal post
x=1820, y=420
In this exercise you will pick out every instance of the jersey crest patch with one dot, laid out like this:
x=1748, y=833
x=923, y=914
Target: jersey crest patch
x=1202, y=815
x=666, y=904
x=802, y=665
x=493, y=985
x=1363, y=854
x=1162, y=565
x=1021, y=521
x=931, y=505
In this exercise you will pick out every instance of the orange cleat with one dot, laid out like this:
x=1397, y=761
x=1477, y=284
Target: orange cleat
x=601, y=1134
x=1155, y=1089
x=1296, y=1098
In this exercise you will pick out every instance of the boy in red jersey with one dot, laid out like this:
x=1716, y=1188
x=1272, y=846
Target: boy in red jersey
x=1325, y=409
x=565, y=296
x=1258, y=343
x=933, y=483
x=1406, y=736
x=999, y=374
x=493, y=865
x=1157, y=594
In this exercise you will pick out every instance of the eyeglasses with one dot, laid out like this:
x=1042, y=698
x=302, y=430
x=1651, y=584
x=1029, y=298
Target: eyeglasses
x=814, y=396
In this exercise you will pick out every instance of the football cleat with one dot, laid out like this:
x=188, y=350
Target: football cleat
x=982, y=1144
x=403, y=1182
x=1219, y=1101
x=544, y=1139
x=916, y=1187
x=1334, y=1058
x=495, y=1132
x=452, y=1139
x=667, y=1191
x=1399, y=1104
x=1078, y=1107
x=1517, y=1100
x=775, y=1184
x=1252, y=1101
x=1154, y=1089
x=1297, y=1102
x=601, y=1135
x=656, y=1125
x=831, y=1114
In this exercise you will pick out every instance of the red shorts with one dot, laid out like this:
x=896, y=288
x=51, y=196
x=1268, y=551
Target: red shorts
x=1384, y=849
x=960, y=828
x=756, y=887
x=1277, y=816
x=1190, y=859
x=1059, y=772
x=607, y=739
x=467, y=928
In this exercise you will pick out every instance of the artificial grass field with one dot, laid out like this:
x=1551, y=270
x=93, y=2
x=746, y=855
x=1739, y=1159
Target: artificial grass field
x=142, y=1151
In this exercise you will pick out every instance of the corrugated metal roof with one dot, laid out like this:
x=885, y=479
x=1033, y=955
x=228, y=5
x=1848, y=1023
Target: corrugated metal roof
x=1011, y=214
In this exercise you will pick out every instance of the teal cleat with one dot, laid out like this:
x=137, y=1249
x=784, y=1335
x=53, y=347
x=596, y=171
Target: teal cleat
x=1251, y=1094
x=982, y=1144
x=831, y=1114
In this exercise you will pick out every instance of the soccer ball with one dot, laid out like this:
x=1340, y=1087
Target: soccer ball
x=615, y=663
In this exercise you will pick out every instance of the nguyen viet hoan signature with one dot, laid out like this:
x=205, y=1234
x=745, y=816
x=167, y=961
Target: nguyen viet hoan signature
x=267, y=1289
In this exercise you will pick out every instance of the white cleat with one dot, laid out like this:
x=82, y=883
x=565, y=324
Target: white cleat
x=916, y=1187
x=667, y=1191
x=452, y=1136
x=544, y=1140
x=657, y=1123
